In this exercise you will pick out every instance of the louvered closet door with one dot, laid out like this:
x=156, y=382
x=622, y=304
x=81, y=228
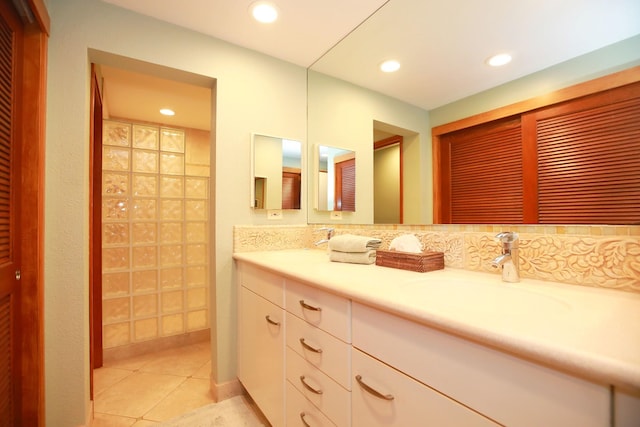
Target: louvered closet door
x=8, y=216
x=346, y=186
x=486, y=174
x=589, y=160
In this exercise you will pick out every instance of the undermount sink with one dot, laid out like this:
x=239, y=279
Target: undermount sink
x=493, y=298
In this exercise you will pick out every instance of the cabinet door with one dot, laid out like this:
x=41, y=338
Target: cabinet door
x=325, y=394
x=382, y=396
x=321, y=349
x=626, y=409
x=261, y=354
x=302, y=413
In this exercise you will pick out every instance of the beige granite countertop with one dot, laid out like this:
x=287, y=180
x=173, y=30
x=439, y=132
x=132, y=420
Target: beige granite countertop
x=592, y=333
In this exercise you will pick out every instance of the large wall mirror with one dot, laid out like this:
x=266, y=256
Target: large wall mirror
x=348, y=98
x=277, y=173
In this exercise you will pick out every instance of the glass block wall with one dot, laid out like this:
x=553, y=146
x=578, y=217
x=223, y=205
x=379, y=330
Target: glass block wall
x=154, y=233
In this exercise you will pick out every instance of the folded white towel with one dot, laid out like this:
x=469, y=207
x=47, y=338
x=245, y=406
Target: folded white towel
x=353, y=243
x=368, y=257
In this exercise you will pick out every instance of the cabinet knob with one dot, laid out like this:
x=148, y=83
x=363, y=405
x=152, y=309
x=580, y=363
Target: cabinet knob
x=271, y=321
x=302, y=415
x=309, y=307
x=308, y=387
x=310, y=348
x=372, y=390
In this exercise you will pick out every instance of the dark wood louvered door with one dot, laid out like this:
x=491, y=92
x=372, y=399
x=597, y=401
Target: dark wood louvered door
x=345, y=186
x=588, y=159
x=10, y=49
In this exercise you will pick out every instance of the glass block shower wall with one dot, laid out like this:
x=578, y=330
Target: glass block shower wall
x=154, y=233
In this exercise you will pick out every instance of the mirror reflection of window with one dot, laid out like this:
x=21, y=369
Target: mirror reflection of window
x=336, y=179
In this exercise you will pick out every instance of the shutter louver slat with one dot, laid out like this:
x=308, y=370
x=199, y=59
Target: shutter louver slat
x=7, y=381
x=486, y=176
x=589, y=166
x=6, y=363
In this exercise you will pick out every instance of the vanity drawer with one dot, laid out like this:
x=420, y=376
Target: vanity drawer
x=301, y=411
x=264, y=283
x=321, y=349
x=326, y=311
x=402, y=401
x=325, y=394
x=505, y=388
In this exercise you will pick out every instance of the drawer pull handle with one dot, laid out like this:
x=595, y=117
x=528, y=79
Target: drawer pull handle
x=373, y=391
x=310, y=348
x=302, y=415
x=309, y=307
x=273, y=322
x=308, y=387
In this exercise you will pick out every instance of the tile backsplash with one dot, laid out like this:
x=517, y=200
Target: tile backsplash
x=596, y=256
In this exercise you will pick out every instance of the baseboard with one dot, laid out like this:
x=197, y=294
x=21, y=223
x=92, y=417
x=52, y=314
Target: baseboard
x=164, y=343
x=226, y=390
x=89, y=420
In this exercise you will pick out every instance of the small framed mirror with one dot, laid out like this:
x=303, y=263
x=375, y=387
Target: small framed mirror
x=277, y=172
x=336, y=179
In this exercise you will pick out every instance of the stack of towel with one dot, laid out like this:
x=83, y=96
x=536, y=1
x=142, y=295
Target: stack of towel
x=353, y=249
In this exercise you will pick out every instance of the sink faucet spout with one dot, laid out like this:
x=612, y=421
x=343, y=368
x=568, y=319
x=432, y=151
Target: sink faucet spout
x=508, y=260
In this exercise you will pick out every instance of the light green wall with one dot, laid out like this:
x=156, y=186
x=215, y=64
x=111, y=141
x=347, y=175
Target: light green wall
x=255, y=93
x=610, y=59
x=342, y=115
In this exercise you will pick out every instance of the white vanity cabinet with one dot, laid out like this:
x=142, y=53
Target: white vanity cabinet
x=318, y=357
x=261, y=332
x=507, y=389
x=384, y=396
x=626, y=409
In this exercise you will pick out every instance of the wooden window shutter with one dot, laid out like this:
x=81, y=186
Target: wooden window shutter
x=485, y=174
x=589, y=160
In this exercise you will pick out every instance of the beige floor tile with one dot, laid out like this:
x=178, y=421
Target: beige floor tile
x=104, y=378
x=131, y=363
x=204, y=372
x=191, y=394
x=136, y=394
x=144, y=423
x=106, y=420
x=184, y=361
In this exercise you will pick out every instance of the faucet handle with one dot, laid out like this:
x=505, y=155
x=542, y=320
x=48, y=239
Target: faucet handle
x=507, y=236
x=329, y=231
x=509, y=240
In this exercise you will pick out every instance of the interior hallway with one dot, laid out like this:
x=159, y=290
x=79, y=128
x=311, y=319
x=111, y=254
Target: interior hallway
x=144, y=390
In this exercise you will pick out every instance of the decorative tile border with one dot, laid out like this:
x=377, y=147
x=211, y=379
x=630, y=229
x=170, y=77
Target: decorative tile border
x=596, y=256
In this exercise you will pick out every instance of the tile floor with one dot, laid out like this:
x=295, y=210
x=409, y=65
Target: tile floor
x=144, y=390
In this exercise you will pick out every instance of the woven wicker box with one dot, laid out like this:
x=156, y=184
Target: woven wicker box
x=422, y=262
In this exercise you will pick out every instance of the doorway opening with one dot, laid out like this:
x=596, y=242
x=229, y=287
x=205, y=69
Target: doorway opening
x=151, y=208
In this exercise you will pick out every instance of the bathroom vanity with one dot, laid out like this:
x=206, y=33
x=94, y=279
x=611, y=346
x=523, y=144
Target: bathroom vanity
x=331, y=344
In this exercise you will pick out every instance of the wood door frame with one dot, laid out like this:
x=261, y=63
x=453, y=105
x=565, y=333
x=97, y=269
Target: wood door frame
x=95, y=230
x=33, y=96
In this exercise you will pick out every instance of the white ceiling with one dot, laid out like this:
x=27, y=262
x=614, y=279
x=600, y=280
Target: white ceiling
x=442, y=44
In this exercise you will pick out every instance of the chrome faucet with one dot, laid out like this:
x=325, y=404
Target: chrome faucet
x=329, y=231
x=509, y=260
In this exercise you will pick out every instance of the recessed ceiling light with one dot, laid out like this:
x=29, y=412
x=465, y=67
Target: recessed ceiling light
x=499, y=60
x=264, y=12
x=390, y=66
x=167, y=112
